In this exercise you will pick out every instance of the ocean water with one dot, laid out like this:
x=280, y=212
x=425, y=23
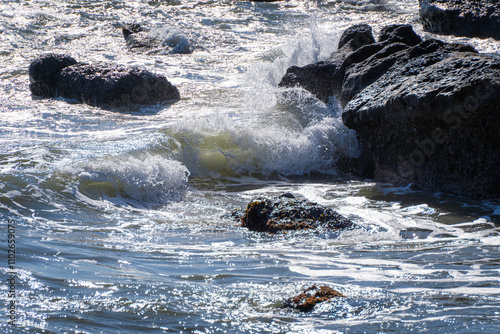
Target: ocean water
x=121, y=219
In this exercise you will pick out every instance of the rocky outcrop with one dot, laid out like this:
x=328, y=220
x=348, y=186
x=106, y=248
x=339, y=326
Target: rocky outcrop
x=137, y=38
x=312, y=296
x=102, y=84
x=469, y=18
x=324, y=79
x=426, y=112
x=288, y=213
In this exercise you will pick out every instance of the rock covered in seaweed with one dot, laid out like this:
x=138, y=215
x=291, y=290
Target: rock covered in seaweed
x=469, y=18
x=426, y=112
x=312, y=296
x=101, y=84
x=288, y=213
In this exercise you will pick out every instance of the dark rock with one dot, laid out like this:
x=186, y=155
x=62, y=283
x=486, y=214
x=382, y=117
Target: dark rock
x=130, y=29
x=431, y=118
x=469, y=18
x=101, y=84
x=426, y=112
x=313, y=295
x=399, y=33
x=433, y=121
x=356, y=36
x=137, y=38
x=44, y=73
x=324, y=79
x=288, y=213
x=107, y=84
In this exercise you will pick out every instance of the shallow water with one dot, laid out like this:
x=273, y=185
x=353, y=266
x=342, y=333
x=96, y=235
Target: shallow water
x=122, y=219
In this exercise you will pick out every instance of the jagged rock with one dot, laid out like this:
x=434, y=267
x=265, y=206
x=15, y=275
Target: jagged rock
x=469, y=18
x=324, y=79
x=101, y=84
x=432, y=120
x=426, y=112
x=313, y=295
x=288, y=213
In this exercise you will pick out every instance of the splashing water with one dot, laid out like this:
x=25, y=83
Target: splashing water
x=123, y=220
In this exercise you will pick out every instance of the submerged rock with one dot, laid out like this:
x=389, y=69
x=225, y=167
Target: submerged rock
x=313, y=295
x=469, y=18
x=137, y=38
x=100, y=84
x=426, y=112
x=288, y=213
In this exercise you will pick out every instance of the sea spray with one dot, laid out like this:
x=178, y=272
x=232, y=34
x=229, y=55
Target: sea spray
x=263, y=76
x=273, y=133
x=220, y=146
x=149, y=182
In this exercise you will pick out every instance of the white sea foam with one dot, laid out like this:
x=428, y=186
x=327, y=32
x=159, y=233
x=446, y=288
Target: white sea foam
x=264, y=76
x=173, y=40
x=219, y=145
x=271, y=133
x=152, y=181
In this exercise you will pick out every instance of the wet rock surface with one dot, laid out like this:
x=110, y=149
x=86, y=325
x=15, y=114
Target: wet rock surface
x=324, y=79
x=462, y=17
x=287, y=213
x=426, y=112
x=312, y=296
x=101, y=84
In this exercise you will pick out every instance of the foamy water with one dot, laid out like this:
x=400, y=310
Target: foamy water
x=122, y=218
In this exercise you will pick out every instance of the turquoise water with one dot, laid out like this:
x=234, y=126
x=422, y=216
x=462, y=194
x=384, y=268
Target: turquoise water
x=121, y=218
